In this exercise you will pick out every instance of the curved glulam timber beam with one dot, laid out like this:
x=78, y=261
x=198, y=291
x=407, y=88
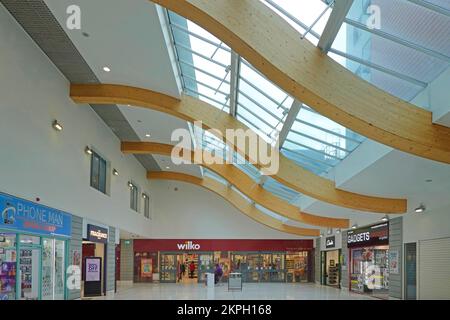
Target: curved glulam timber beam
x=236, y=200
x=272, y=46
x=241, y=181
x=192, y=109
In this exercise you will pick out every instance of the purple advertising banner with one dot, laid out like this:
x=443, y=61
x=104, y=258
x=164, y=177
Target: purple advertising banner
x=93, y=266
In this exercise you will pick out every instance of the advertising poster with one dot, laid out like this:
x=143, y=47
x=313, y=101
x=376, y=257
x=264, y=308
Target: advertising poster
x=146, y=268
x=93, y=266
x=393, y=261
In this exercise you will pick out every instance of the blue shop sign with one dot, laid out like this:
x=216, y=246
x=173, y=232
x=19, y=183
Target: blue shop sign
x=26, y=216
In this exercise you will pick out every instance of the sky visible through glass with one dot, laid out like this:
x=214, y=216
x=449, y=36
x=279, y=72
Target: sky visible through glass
x=314, y=141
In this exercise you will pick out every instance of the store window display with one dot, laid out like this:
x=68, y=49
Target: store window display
x=370, y=273
x=297, y=266
x=8, y=266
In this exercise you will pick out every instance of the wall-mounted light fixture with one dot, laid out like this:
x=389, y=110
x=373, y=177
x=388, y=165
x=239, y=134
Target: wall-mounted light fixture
x=338, y=231
x=385, y=218
x=144, y=196
x=321, y=235
x=115, y=172
x=355, y=226
x=130, y=184
x=88, y=150
x=57, y=126
x=420, y=208
x=329, y=231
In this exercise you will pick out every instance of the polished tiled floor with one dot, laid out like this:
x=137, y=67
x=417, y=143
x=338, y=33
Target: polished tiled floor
x=251, y=291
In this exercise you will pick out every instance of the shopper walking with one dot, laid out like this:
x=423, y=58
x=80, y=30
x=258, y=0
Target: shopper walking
x=218, y=273
x=191, y=270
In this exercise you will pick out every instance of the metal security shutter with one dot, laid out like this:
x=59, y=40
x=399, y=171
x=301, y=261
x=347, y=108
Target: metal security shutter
x=434, y=269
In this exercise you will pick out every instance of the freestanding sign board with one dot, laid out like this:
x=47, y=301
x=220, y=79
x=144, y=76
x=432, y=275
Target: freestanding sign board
x=93, y=276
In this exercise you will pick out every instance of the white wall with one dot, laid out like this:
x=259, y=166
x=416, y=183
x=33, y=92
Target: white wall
x=432, y=224
x=36, y=161
x=193, y=212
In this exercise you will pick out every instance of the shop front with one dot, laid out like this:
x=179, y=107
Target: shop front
x=368, y=260
x=94, y=254
x=187, y=261
x=33, y=250
x=330, y=258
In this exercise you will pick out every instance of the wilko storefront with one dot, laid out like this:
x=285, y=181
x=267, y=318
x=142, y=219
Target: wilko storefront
x=187, y=260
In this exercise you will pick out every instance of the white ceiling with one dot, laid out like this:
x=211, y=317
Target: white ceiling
x=127, y=38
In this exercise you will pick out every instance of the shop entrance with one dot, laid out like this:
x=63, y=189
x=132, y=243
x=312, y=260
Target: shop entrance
x=190, y=267
x=91, y=250
x=331, y=273
x=29, y=266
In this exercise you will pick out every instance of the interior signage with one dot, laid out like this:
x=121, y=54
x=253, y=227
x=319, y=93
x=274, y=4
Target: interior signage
x=330, y=242
x=23, y=215
x=373, y=235
x=188, y=245
x=97, y=234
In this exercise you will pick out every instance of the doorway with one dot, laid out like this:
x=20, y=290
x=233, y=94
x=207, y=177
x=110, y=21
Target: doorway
x=29, y=270
x=98, y=250
x=331, y=273
x=410, y=271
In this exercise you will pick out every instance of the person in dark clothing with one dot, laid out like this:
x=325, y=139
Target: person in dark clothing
x=182, y=271
x=218, y=273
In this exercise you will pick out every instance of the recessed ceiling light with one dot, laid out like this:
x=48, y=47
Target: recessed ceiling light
x=106, y=69
x=420, y=209
x=167, y=167
x=148, y=135
x=57, y=126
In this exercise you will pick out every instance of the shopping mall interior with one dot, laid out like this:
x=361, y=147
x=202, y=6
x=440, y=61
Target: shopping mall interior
x=224, y=149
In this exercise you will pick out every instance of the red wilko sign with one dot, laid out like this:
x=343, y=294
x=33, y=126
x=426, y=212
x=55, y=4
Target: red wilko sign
x=152, y=245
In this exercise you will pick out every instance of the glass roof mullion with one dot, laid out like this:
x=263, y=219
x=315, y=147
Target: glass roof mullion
x=292, y=18
x=334, y=23
x=217, y=49
x=379, y=68
x=320, y=141
x=308, y=30
x=201, y=70
x=205, y=96
x=234, y=82
x=312, y=149
x=263, y=93
x=398, y=40
x=201, y=55
x=254, y=114
x=259, y=105
x=431, y=6
x=197, y=36
x=311, y=159
x=290, y=119
x=205, y=85
x=327, y=131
